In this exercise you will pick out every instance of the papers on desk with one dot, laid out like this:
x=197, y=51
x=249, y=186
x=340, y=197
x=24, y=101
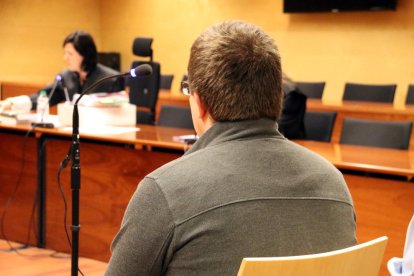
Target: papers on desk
x=188, y=139
x=103, y=99
x=122, y=115
x=16, y=118
x=103, y=130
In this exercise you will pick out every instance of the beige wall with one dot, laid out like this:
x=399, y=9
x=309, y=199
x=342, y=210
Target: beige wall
x=32, y=33
x=371, y=47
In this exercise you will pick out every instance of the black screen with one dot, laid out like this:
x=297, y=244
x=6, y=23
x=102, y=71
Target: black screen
x=291, y=6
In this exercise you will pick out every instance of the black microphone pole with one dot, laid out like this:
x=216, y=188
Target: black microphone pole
x=142, y=70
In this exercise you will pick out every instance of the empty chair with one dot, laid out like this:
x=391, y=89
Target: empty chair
x=362, y=259
x=175, y=116
x=410, y=95
x=319, y=125
x=369, y=92
x=143, y=91
x=166, y=81
x=110, y=59
x=372, y=133
x=311, y=89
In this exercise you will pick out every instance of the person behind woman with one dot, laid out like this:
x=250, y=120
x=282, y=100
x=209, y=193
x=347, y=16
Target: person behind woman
x=83, y=70
x=292, y=119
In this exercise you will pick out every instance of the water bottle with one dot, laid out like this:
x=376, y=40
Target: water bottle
x=42, y=109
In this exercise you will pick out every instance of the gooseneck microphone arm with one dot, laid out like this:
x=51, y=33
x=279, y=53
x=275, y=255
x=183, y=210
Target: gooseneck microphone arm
x=74, y=156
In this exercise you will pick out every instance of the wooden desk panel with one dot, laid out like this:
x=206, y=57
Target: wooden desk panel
x=12, y=89
x=109, y=176
x=383, y=207
x=12, y=152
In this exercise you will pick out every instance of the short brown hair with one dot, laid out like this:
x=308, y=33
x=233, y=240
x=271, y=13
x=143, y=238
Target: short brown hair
x=235, y=68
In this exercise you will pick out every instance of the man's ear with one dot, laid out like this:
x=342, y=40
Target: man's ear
x=202, y=111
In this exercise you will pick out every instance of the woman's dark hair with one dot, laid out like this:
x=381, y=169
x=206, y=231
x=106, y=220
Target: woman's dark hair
x=85, y=46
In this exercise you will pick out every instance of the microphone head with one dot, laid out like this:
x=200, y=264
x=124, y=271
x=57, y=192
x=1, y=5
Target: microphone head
x=141, y=70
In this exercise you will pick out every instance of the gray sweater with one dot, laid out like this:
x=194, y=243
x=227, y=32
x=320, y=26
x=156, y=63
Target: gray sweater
x=242, y=190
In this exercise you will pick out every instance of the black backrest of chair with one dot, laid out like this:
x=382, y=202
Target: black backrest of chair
x=369, y=92
x=384, y=134
x=166, y=81
x=145, y=117
x=311, y=89
x=143, y=91
x=319, y=125
x=142, y=47
x=410, y=95
x=175, y=116
x=110, y=59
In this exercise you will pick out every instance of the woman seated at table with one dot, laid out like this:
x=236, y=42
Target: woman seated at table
x=83, y=70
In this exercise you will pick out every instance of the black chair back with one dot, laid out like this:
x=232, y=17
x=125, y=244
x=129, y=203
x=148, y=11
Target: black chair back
x=142, y=47
x=166, y=81
x=319, y=125
x=313, y=90
x=143, y=91
x=384, y=134
x=110, y=59
x=369, y=92
x=410, y=95
x=175, y=116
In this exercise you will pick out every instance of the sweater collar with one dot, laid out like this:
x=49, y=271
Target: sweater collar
x=222, y=132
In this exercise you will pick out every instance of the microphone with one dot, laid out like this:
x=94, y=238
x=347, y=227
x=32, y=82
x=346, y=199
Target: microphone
x=65, y=89
x=58, y=79
x=141, y=70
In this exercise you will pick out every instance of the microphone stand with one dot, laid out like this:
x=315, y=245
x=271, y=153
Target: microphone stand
x=75, y=176
x=74, y=156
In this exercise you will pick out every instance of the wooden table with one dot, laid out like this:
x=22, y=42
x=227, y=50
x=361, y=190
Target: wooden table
x=112, y=166
x=367, y=159
x=344, y=109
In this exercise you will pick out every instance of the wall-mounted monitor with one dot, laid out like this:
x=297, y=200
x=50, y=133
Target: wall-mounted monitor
x=296, y=6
